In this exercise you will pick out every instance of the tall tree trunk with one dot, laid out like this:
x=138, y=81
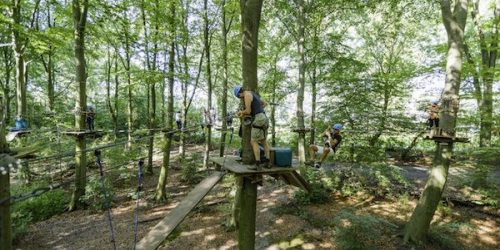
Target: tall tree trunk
x=250, y=20
x=225, y=31
x=484, y=94
x=129, y=87
x=314, y=93
x=109, y=65
x=302, y=81
x=117, y=84
x=246, y=202
x=373, y=141
x=50, y=80
x=162, y=181
x=186, y=79
x=49, y=65
x=454, y=22
x=18, y=42
x=151, y=67
x=314, y=80
x=7, y=55
x=273, y=107
x=5, y=216
x=208, y=76
x=80, y=8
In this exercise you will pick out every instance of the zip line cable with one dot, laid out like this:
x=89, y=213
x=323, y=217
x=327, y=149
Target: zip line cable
x=39, y=191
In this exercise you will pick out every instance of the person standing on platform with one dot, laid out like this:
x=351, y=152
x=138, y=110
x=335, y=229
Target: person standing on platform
x=254, y=106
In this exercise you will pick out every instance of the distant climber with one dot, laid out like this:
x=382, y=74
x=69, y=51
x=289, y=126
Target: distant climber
x=332, y=140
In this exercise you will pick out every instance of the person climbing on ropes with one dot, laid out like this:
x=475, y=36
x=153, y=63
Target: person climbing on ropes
x=254, y=107
x=229, y=119
x=178, y=120
x=213, y=115
x=332, y=140
x=90, y=117
x=434, y=114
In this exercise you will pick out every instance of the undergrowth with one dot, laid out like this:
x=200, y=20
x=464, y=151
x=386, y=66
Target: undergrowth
x=36, y=209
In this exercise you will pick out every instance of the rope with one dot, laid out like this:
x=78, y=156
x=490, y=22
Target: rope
x=39, y=191
x=139, y=187
x=106, y=197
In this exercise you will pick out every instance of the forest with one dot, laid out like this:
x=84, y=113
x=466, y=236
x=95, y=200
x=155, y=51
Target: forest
x=250, y=124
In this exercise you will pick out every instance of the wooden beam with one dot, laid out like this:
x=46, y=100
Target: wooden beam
x=246, y=232
x=165, y=227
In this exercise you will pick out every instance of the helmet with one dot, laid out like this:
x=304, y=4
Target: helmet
x=236, y=90
x=337, y=126
x=435, y=102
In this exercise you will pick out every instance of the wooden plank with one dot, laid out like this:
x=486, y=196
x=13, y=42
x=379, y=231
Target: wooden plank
x=295, y=179
x=441, y=138
x=238, y=168
x=165, y=227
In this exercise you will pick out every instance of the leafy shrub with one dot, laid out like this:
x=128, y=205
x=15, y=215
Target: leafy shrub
x=94, y=195
x=37, y=209
x=319, y=193
x=189, y=167
x=380, y=180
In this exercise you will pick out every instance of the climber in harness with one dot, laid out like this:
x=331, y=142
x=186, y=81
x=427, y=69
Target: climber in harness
x=332, y=139
x=434, y=114
x=254, y=107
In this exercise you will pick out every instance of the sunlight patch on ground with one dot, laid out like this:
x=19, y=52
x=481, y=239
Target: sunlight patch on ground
x=230, y=244
x=295, y=242
x=193, y=232
x=207, y=218
x=210, y=237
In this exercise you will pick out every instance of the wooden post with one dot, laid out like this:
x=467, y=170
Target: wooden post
x=5, y=223
x=6, y=162
x=246, y=233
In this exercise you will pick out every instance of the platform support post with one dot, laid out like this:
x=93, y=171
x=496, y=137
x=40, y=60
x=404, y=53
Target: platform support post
x=246, y=233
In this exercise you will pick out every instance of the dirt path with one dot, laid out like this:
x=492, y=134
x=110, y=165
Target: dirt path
x=311, y=228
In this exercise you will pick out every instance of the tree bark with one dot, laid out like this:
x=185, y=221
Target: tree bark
x=225, y=31
x=162, y=181
x=7, y=56
x=108, y=91
x=5, y=216
x=18, y=42
x=80, y=8
x=484, y=93
x=302, y=80
x=273, y=107
x=49, y=65
x=250, y=20
x=129, y=85
x=454, y=22
x=208, y=141
x=151, y=68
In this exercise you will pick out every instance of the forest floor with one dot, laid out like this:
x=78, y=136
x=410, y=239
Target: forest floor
x=359, y=220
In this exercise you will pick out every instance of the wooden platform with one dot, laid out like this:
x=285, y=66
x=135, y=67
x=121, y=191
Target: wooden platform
x=301, y=130
x=13, y=134
x=82, y=133
x=288, y=174
x=165, y=227
x=442, y=138
x=238, y=168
